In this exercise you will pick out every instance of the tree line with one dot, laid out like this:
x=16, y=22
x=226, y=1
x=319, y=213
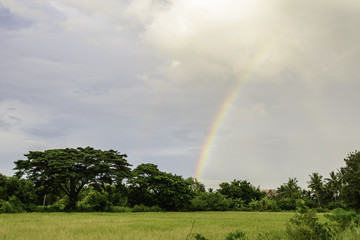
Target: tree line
x=88, y=179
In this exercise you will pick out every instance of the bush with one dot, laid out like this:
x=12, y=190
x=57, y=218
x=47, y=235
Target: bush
x=13, y=205
x=334, y=205
x=199, y=237
x=344, y=219
x=287, y=204
x=209, y=201
x=120, y=209
x=264, y=204
x=96, y=201
x=142, y=208
x=306, y=226
x=236, y=235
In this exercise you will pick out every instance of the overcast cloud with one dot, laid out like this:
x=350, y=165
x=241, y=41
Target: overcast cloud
x=148, y=77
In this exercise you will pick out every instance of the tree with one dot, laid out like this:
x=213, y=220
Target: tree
x=351, y=179
x=195, y=185
x=68, y=170
x=20, y=190
x=290, y=189
x=150, y=186
x=316, y=185
x=241, y=190
x=210, y=201
x=334, y=184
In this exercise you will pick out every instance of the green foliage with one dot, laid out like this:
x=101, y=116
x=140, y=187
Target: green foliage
x=289, y=190
x=150, y=186
x=120, y=209
x=97, y=200
x=200, y=237
x=316, y=185
x=344, y=219
x=264, y=204
x=210, y=201
x=13, y=205
x=305, y=225
x=67, y=171
x=236, y=235
x=142, y=208
x=351, y=180
x=195, y=185
x=14, y=191
x=287, y=204
x=240, y=190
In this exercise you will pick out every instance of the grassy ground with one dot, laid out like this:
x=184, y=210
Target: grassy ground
x=133, y=226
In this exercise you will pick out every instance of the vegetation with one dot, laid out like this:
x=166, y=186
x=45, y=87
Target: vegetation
x=136, y=226
x=90, y=180
x=87, y=179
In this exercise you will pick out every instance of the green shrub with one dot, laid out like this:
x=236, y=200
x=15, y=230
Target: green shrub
x=264, y=204
x=96, y=201
x=200, y=237
x=344, y=219
x=141, y=208
x=13, y=205
x=305, y=225
x=334, y=205
x=120, y=209
x=210, y=201
x=287, y=204
x=236, y=235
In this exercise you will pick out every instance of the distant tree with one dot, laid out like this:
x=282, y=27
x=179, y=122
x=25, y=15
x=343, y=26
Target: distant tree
x=195, y=185
x=210, y=201
x=67, y=171
x=351, y=179
x=20, y=189
x=316, y=185
x=291, y=189
x=150, y=186
x=238, y=189
x=334, y=184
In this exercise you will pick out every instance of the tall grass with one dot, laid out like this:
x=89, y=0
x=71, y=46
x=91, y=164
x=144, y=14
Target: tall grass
x=149, y=225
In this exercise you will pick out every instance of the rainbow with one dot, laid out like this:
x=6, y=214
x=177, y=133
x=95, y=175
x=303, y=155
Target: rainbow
x=223, y=112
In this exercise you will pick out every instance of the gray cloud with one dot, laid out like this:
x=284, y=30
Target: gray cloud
x=11, y=21
x=148, y=78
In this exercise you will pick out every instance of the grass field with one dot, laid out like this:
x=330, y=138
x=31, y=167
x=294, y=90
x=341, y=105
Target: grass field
x=133, y=226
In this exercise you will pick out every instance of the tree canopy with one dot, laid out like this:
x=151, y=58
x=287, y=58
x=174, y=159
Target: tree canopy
x=68, y=170
x=150, y=186
x=351, y=179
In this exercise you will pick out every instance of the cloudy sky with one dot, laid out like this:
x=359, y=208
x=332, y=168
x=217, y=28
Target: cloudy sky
x=264, y=89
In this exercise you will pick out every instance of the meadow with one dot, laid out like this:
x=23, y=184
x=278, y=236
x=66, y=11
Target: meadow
x=148, y=225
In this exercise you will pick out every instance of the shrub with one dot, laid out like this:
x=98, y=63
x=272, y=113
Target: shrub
x=344, y=219
x=236, y=235
x=305, y=225
x=13, y=205
x=95, y=200
x=209, y=201
x=120, y=209
x=140, y=208
x=199, y=237
x=287, y=204
x=264, y=204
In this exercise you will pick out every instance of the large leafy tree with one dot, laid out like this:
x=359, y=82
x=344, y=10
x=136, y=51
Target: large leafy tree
x=238, y=189
x=351, y=180
x=150, y=186
x=68, y=170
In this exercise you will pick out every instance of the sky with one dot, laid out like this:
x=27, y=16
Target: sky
x=256, y=90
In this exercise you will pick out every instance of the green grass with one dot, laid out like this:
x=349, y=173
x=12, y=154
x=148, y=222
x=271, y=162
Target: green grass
x=133, y=226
